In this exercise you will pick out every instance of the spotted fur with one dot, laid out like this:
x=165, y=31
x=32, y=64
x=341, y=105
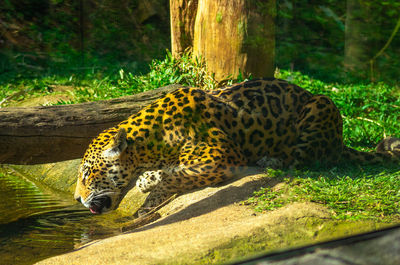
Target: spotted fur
x=193, y=138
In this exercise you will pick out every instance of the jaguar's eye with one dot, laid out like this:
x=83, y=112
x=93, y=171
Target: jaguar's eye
x=85, y=175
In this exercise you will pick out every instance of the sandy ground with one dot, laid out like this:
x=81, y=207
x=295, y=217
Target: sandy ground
x=191, y=226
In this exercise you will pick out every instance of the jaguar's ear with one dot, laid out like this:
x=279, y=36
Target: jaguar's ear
x=117, y=145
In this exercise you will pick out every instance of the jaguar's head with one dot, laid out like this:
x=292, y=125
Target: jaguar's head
x=104, y=175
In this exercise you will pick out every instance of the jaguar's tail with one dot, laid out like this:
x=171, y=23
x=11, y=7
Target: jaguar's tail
x=387, y=150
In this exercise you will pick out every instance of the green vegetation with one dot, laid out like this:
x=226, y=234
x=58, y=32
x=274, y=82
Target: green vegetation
x=352, y=193
x=81, y=36
x=98, y=85
x=311, y=37
x=184, y=71
x=64, y=36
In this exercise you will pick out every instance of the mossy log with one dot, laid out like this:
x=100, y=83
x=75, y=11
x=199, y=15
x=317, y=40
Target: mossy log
x=46, y=134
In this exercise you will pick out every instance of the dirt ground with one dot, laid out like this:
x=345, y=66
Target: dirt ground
x=196, y=223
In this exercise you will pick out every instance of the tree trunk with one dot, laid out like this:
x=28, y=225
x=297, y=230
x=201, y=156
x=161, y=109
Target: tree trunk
x=236, y=36
x=183, y=15
x=47, y=134
x=232, y=36
x=356, y=49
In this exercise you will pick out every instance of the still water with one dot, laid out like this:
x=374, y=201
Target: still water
x=36, y=223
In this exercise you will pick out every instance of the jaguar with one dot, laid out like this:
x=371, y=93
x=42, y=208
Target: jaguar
x=193, y=138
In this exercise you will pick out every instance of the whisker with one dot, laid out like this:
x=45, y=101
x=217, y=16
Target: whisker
x=105, y=193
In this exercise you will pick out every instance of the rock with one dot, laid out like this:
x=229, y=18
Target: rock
x=380, y=247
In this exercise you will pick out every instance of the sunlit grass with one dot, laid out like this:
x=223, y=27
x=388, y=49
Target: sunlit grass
x=352, y=193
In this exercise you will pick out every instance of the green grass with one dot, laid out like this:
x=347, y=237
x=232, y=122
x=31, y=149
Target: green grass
x=352, y=193
x=93, y=85
x=105, y=85
x=184, y=71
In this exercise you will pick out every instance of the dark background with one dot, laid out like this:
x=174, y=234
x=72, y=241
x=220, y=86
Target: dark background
x=62, y=36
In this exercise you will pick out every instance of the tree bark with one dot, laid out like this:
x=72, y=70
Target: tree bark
x=47, y=134
x=357, y=40
x=183, y=15
x=236, y=37
x=231, y=36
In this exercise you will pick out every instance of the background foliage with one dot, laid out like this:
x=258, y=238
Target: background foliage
x=62, y=36
x=65, y=36
x=311, y=37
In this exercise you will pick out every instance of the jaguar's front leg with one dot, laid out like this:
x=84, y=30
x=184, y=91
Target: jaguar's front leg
x=149, y=180
x=156, y=199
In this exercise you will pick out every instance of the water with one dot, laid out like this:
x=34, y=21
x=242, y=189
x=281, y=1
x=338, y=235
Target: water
x=36, y=223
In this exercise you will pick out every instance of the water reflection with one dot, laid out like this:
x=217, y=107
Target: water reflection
x=35, y=224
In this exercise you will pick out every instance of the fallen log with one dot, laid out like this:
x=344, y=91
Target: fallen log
x=45, y=134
